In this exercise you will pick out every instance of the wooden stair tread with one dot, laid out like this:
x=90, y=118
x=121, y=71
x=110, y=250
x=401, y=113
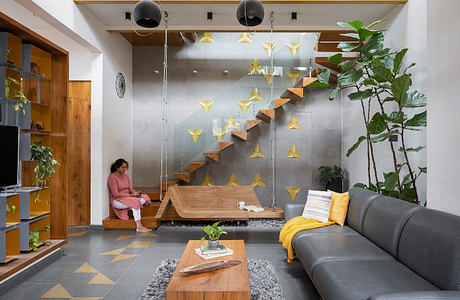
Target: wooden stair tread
x=332, y=78
x=266, y=114
x=224, y=145
x=241, y=134
x=330, y=47
x=297, y=91
x=152, y=192
x=335, y=36
x=252, y=123
x=193, y=166
x=212, y=155
x=183, y=176
x=306, y=81
x=281, y=102
x=115, y=223
x=324, y=61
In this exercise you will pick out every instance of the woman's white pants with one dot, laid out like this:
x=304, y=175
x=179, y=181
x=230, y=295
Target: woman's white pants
x=136, y=211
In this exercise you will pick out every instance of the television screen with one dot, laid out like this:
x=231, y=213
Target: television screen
x=9, y=151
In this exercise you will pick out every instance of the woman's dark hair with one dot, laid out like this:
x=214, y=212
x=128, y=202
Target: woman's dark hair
x=118, y=163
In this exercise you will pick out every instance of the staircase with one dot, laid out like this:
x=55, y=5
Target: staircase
x=212, y=139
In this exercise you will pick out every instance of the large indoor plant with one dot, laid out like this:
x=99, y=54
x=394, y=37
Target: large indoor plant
x=44, y=164
x=379, y=80
x=213, y=232
x=332, y=177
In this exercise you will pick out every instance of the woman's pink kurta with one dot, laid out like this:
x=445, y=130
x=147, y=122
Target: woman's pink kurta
x=123, y=185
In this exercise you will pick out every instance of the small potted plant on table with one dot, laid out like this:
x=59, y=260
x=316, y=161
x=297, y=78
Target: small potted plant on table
x=213, y=232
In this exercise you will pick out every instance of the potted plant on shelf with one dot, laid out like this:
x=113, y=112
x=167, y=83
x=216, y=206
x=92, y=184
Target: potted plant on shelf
x=44, y=164
x=213, y=232
x=10, y=209
x=11, y=91
x=332, y=177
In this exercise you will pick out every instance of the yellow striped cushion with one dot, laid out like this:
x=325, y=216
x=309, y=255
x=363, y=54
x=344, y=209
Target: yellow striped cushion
x=339, y=207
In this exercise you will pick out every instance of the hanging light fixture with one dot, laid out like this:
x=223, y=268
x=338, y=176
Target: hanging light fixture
x=250, y=12
x=147, y=14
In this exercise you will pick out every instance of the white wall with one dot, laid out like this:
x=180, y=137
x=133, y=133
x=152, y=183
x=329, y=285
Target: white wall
x=406, y=29
x=79, y=56
x=111, y=136
x=443, y=135
x=106, y=54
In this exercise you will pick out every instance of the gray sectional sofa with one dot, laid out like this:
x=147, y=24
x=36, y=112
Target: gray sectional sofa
x=388, y=249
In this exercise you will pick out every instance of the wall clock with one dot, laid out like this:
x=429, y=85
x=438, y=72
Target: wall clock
x=120, y=85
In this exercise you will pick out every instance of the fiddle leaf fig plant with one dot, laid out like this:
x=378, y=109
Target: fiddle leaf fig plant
x=213, y=232
x=44, y=164
x=378, y=78
x=13, y=90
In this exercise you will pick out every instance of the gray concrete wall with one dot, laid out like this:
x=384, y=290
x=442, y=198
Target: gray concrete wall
x=319, y=140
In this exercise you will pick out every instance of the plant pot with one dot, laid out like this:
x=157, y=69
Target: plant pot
x=213, y=244
x=335, y=185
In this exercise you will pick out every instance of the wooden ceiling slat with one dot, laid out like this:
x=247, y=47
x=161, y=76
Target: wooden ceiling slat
x=154, y=39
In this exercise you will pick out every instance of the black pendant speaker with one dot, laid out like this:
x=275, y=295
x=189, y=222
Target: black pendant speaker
x=147, y=14
x=250, y=12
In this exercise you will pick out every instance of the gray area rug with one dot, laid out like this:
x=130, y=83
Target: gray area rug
x=263, y=280
x=253, y=223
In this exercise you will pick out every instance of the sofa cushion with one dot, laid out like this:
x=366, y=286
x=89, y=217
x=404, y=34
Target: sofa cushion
x=430, y=245
x=318, y=206
x=360, y=199
x=384, y=221
x=292, y=210
x=328, y=230
x=360, y=279
x=339, y=207
x=314, y=249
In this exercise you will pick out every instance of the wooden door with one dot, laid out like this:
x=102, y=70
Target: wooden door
x=79, y=143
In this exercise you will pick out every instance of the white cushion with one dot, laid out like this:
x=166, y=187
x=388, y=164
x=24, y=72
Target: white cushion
x=318, y=206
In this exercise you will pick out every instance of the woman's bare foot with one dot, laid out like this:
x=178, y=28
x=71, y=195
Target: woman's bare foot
x=141, y=228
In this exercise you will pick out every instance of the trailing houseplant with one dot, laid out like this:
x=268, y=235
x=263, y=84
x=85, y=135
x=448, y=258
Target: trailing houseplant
x=378, y=78
x=13, y=90
x=34, y=239
x=213, y=232
x=332, y=177
x=44, y=164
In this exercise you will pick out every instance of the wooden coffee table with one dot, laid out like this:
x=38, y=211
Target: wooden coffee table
x=230, y=283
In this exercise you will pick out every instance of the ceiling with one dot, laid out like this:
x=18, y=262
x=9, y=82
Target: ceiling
x=192, y=17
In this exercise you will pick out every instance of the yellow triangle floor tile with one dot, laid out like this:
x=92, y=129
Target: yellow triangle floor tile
x=58, y=291
x=114, y=252
x=148, y=234
x=78, y=233
x=100, y=279
x=86, y=268
x=124, y=237
x=139, y=244
x=123, y=257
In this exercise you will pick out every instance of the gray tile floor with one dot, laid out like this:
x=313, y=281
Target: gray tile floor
x=130, y=276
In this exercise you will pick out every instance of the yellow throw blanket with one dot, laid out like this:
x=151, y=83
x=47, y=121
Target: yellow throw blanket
x=293, y=226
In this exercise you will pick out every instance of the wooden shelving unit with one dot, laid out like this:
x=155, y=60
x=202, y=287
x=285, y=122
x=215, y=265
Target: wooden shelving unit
x=41, y=67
